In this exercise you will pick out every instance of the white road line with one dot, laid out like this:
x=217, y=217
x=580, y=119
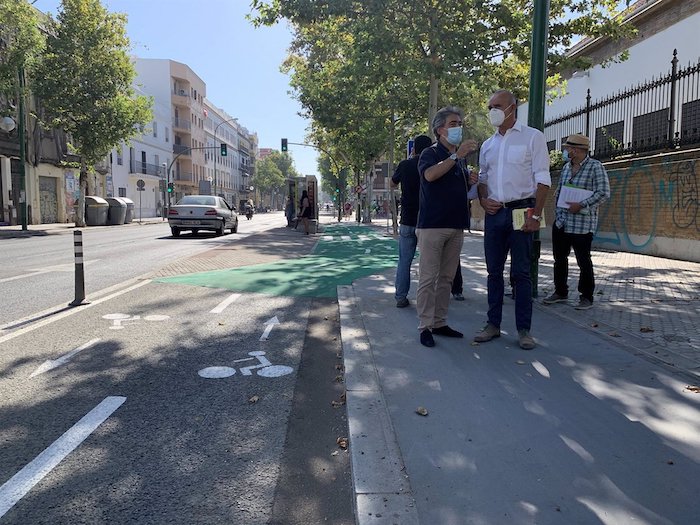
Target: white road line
x=18, y=485
x=225, y=303
x=50, y=365
x=66, y=313
x=269, y=324
x=39, y=271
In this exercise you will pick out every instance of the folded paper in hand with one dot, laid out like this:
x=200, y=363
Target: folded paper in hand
x=519, y=215
x=571, y=193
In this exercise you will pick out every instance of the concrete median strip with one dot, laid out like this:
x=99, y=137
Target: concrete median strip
x=382, y=489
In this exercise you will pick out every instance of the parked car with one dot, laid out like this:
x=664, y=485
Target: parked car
x=202, y=212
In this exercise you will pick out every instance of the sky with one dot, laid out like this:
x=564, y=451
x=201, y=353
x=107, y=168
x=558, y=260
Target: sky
x=239, y=63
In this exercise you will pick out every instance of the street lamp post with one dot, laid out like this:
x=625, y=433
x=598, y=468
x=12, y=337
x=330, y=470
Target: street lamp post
x=234, y=119
x=165, y=189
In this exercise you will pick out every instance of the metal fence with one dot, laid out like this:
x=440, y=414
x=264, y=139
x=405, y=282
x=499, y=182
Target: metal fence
x=659, y=114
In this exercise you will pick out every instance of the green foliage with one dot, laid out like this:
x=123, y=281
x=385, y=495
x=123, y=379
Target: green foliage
x=20, y=42
x=84, y=80
x=268, y=176
x=556, y=161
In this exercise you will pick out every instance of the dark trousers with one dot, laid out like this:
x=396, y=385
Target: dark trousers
x=457, y=282
x=499, y=239
x=562, y=243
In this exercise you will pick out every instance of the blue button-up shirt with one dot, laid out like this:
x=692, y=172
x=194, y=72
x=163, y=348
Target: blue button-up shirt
x=590, y=176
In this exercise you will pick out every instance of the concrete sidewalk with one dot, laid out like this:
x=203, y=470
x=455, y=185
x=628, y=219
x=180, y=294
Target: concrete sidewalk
x=410, y=469
x=38, y=230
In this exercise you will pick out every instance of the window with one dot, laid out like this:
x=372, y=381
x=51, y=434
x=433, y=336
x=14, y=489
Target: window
x=157, y=162
x=122, y=192
x=143, y=162
x=155, y=129
x=167, y=135
x=120, y=160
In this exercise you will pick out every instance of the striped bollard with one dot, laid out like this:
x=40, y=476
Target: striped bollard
x=79, y=270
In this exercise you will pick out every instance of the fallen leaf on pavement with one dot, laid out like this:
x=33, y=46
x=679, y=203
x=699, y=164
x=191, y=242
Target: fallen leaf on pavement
x=693, y=388
x=334, y=453
x=221, y=323
x=338, y=367
x=614, y=334
x=520, y=362
x=594, y=325
x=422, y=411
x=475, y=343
x=338, y=379
x=253, y=399
x=342, y=442
x=646, y=329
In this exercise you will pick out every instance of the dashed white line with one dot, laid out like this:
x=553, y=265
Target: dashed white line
x=18, y=485
x=225, y=303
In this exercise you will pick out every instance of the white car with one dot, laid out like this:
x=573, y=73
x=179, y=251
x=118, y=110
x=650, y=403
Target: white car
x=202, y=212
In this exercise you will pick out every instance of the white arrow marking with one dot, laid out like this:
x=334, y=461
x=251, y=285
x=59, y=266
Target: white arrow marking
x=268, y=327
x=50, y=365
x=18, y=485
x=225, y=303
x=368, y=250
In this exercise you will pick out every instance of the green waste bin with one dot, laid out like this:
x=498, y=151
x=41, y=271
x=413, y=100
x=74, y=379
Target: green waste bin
x=96, y=211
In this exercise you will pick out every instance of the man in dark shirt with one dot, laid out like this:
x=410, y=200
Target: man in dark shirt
x=442, y=219
x=406, y=175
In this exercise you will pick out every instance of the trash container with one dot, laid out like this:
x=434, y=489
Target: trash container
x=96, y=211
x=129, y=210
x=117, y=211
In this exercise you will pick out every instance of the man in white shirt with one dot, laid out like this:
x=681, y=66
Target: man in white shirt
x=514, y=174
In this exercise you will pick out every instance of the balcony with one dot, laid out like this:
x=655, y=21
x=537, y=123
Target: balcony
x=183, y=151
x=182, y=98
x=145, y=168
x=181, y=177
x=180, y=124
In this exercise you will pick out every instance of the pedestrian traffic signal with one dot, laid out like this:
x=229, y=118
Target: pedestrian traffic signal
x=284, y=145
x=224, y=150
x=171, y=187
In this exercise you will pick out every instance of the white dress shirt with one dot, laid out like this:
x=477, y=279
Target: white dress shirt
x=512, y=165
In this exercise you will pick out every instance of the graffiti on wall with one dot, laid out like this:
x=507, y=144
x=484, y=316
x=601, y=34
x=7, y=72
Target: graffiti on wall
x=650, y=200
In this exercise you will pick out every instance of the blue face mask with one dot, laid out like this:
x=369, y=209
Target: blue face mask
x=454, y=136
x=565, y=155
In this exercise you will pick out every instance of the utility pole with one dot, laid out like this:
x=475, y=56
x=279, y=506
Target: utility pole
x=535, y=113
x=22, y=159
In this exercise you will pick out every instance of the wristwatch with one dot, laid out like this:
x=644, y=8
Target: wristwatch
x=538, y=218
x=454, y=157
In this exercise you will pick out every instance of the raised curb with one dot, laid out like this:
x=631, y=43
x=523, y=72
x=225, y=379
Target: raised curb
x=382, y=491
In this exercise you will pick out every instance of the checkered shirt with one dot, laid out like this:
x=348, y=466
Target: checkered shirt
x=591, y=176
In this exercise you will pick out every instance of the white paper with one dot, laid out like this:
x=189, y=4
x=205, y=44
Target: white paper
x=572, y=194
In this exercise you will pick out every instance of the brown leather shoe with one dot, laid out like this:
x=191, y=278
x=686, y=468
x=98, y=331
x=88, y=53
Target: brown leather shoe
x=525, y=340
x=488, y=333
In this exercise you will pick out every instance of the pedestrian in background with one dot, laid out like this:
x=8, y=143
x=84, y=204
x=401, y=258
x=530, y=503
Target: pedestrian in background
x=514, y=174
x=441, y=221
x=575, y=225
x=305, y=210
x=406, y=175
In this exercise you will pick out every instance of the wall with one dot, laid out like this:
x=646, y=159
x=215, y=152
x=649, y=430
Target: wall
x=654, y=207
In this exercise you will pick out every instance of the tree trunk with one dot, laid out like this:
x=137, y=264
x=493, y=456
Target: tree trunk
x=80, y=212
x=433, y=101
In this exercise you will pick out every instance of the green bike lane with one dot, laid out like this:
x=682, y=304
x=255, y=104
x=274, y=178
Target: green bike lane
x=342, y=254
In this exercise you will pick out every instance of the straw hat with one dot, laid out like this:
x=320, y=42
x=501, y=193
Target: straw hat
x=576, y=140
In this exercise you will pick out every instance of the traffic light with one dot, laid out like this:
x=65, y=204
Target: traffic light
x=224, y=150
x=171, y=187
x=284, y=145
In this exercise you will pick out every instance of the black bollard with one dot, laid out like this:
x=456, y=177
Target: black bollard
x=79, y=270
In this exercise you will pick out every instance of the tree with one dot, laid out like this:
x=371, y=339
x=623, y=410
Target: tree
x=84, y=83
x=424, y=51
x=268, y=177
x=20, y=43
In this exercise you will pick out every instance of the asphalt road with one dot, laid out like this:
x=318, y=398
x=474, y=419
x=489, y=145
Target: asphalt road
x=166, y=403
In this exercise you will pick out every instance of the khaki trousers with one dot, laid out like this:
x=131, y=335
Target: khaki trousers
x=439, y=257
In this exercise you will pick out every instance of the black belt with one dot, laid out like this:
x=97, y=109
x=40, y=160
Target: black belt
x=520, y=203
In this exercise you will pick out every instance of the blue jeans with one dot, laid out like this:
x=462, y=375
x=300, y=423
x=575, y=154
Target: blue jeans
x=407, y=251
x=499, y=239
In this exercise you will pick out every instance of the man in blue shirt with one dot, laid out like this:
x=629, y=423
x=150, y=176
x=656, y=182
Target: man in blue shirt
x=576, y=222
x=441, y=221
x=407, y=176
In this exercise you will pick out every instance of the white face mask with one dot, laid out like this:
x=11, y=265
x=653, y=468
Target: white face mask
x=566, y=157
x=497, y=116
x=454, y=136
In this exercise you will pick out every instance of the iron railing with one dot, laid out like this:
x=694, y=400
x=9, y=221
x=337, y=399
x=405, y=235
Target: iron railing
x=659, y=114
x=136, y=166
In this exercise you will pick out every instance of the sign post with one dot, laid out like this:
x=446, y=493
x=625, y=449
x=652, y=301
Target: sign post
x=140, y=186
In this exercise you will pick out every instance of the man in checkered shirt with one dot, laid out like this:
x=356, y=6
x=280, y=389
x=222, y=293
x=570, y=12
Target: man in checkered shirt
x=575, y=226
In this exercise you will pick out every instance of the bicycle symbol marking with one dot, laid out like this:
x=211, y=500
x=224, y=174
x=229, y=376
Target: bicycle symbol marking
x=264, y=366
x=118, y=320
